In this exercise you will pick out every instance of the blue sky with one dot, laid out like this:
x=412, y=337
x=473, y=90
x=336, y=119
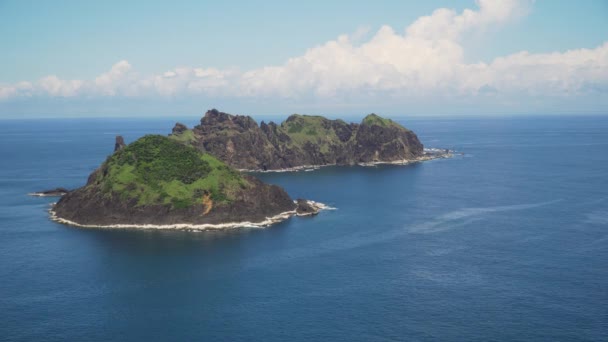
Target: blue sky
x=187, y=56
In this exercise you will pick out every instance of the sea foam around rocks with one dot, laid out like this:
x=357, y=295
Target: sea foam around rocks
x=429, y=154
x=195, y=227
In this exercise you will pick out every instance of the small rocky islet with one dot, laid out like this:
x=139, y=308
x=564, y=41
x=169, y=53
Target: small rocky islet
x=191, y=178
x=57, y=192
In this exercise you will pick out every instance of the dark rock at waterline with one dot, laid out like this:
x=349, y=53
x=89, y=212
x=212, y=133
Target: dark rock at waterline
x=90, y=206
x=305, y=208
x=51, y=193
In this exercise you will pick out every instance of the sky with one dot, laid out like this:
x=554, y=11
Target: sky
x=163, y=58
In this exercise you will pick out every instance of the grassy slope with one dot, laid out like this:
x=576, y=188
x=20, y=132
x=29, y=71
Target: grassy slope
x=304, y=128
x=307, y=128
x=373, y=119
x=185, y=137
x=159, y=170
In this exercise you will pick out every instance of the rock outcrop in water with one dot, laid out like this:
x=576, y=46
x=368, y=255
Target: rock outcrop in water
x=161, y=182
x=57, y=192
x=299, y=141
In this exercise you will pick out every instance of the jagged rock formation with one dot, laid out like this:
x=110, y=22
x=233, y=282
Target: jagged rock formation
x=300, y=140
x=120, y=143
x=160, y=181
x=179, y=128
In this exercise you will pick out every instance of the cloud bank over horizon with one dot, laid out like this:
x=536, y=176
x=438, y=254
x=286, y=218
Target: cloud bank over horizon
x=425, y=61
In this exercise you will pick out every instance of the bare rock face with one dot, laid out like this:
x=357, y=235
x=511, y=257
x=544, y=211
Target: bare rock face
x=90, y=206
x=235, y=139
x=389, y=142
x=120, y=143
x=179, y=128
x=301, y=140
x=306, y=208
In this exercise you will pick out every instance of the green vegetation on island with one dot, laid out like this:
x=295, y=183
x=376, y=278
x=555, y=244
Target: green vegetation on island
x=187, y=136
x=303, y=129
x=373, y=119
x=167, y=182
x=299, y=141
x=159, y=170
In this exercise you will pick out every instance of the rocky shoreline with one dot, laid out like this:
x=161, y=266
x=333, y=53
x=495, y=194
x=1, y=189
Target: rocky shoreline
x=436, y=154
x=313, y=208
x=429, y=154
x=159, y=182
x=190, y=179
x=57, y=192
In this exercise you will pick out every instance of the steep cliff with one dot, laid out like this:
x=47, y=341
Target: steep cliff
x=300, y=140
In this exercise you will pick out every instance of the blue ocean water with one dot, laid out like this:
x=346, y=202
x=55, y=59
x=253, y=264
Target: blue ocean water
x=506, y=242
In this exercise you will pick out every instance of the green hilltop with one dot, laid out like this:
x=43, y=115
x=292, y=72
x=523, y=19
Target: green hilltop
x=310, y=128
x=159, y=170
x=374, y=119
x=324, y=132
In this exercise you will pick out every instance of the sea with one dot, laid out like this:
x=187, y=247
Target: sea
x=506, y=241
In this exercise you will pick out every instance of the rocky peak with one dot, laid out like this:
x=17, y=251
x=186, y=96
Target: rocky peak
x=120, y=143
x=293, y=117
x=303, y=140
x=268, y=126
x=343, y=130
x=179, y=128
x=376, y=120
x=265, y=127
x=216, y=118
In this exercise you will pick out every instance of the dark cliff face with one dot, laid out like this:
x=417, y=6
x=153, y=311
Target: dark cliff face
x=300, y=140
x=179, y=128
x=234, y=139
x=89, y=206
x=390, y=142
x=120, y=143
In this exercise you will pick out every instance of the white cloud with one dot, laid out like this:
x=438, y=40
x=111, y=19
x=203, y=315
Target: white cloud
x=447, y=24
x=54, y=86
x=427, y=59
x=553, y=74
x=18, y=89
x=109, y=82
x=169, y=74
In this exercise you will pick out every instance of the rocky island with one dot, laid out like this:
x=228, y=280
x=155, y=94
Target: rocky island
x=302, y=141
x=159, y=182
x=192, y=178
